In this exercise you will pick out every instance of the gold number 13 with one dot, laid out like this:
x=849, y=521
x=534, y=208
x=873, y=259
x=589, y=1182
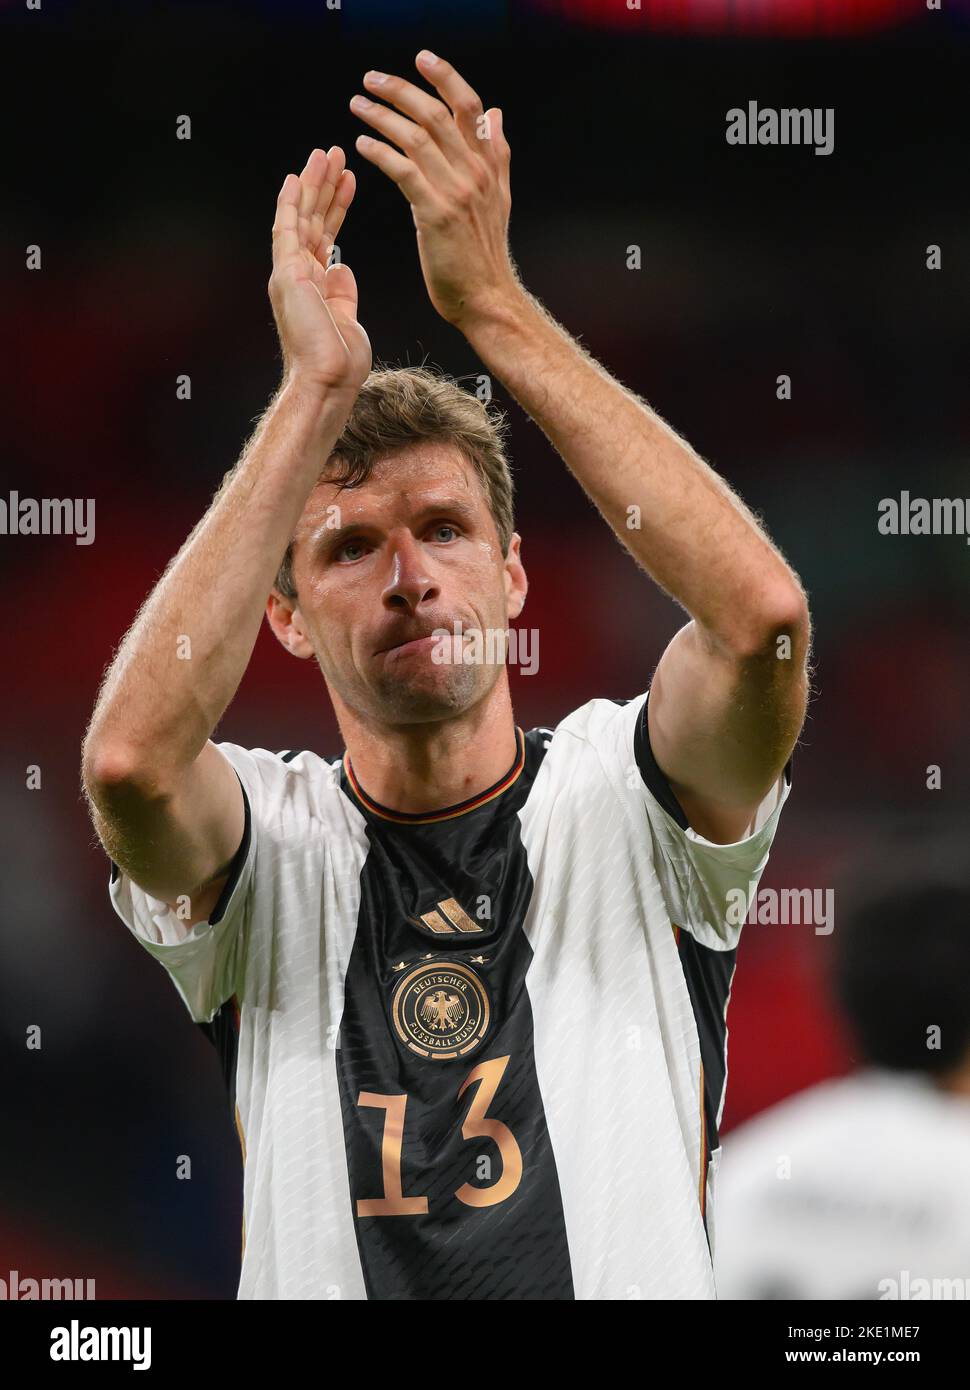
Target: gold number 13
x=477, y=1123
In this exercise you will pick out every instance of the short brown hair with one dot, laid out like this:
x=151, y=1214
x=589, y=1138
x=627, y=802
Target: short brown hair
x=397, y=406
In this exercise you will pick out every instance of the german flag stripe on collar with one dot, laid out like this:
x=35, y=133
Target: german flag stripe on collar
x=450, y=812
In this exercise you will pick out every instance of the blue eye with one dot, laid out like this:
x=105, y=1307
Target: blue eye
x=344, y=552
x=445, y=527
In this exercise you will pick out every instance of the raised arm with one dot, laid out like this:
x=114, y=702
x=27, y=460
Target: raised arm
x=728, y=697
x=165, y=802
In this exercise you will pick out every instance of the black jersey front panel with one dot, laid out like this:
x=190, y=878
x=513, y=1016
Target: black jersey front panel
x=453, y=1179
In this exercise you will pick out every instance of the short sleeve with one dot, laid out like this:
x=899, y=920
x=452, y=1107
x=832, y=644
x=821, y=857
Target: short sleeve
x=708, y=887
x=205, y=961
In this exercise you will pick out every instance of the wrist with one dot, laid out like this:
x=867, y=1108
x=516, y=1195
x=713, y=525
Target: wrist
x=499, y=312
x=306, y=393
x=309, y=416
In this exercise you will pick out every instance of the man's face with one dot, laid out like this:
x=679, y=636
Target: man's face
x=379, y=568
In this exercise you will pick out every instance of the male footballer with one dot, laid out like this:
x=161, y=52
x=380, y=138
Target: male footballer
x=468, y=983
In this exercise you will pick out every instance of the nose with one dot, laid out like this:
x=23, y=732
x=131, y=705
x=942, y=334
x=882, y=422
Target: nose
x=409, y=583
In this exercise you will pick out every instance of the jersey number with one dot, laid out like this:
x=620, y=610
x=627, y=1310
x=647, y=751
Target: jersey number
x=477, y=1123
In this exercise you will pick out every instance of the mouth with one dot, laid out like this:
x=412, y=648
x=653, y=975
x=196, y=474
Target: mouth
x=417, y=646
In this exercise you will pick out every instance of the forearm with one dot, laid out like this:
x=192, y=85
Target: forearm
x=184, y=656
x=679, y=520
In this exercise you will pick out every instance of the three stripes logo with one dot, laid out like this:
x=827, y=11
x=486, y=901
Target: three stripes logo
x=447, y=918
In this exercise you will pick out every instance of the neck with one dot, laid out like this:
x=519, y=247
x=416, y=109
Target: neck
x=422, y=768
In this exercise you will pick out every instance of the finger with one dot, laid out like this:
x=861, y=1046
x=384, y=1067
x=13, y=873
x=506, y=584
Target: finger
x=325, y=229
x=422, y=107
x=337, y=211
x=453, y=89
x=495, y=125
x=311, y=180
x=399, y=170
x=286, y=240
x=413, y=139
x=325, y=194
x=317, y=236
x=336, y=163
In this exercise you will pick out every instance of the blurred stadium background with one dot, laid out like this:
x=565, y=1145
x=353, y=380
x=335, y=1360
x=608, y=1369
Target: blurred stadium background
x=755, y=262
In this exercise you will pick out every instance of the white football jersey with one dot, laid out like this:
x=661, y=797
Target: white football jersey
x=854, y=1189
x=476, y=1054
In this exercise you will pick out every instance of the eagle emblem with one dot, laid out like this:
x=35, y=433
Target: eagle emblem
x=440, y=1009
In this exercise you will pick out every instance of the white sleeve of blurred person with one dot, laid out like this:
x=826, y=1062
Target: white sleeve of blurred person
x=854, y=1189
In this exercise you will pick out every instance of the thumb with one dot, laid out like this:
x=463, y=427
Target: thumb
x=340, y=288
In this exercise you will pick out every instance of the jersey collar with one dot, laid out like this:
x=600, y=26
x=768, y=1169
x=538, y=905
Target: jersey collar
x=449, y=812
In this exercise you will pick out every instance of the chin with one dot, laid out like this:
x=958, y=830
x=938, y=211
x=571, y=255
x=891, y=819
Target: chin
x=441, y=694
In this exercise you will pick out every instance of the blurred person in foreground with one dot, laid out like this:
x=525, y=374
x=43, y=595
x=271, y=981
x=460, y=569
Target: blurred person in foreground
x=468, y=983
x=859, y=1188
